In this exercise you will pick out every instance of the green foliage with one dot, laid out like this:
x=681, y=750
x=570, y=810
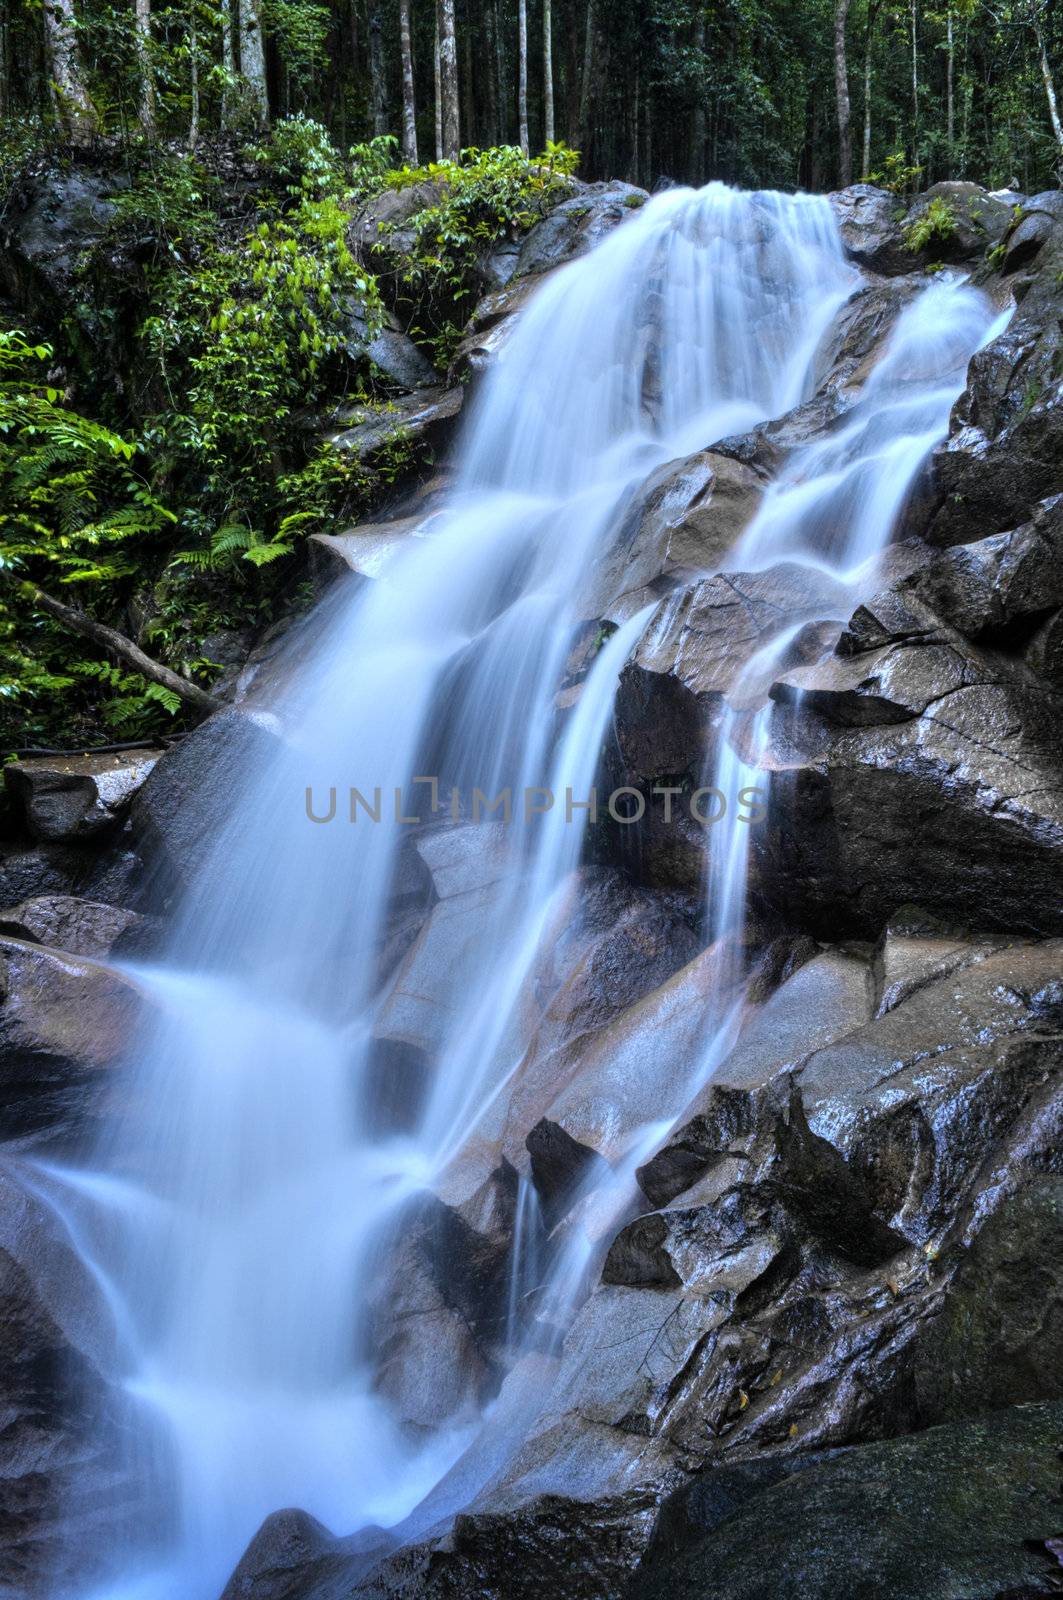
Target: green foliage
x=74, y=511
x=486, y=197
x=299, y=159
x=935, y=224
x=898, y=176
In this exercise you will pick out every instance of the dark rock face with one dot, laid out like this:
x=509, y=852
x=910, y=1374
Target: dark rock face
x=68, y=799
x=874, y=223
x=64, y=1022
x=871, y=222
x=577, y=225
x=425, y=417
x=63, y=215
x=178, y=812
x=956, y=1511
x=80, y=927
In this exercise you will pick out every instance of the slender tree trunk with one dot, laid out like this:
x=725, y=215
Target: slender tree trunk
x=915, y=83
x=950, y=117
x=193, y=70
x=437, y=70
x=498, y=66
x=865, y=159
x=697, y=121
x=587, y=80
x=142, y=32
x=69, y=92
x=1050, y=88
x=548, y=73
x=494, y=133
x=841, y=95
x=253, y=60
x=227, y=61
x=448, y=80
x=409, y=103
x=378, y=89
x=522, y=74
x=468, y=94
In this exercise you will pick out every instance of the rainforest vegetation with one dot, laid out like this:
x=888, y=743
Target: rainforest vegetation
x=164, y=398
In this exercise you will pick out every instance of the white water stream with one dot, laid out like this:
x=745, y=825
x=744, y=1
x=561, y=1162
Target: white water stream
x=234, y=1215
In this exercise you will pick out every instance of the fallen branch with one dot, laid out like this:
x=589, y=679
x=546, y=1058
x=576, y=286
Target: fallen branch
x=118, y=645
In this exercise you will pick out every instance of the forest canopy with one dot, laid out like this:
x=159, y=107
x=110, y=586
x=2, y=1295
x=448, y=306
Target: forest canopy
x=757, y=92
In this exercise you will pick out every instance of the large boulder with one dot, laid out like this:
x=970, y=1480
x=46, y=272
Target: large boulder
x=426, y=418
x=577, y=225
x=999, y=1337
x=63, y=213
x=180, y=810
x=69, y=799
x=871, y=222
x=65, y=1023
x=60, y=1447
x=1005, y=446
x=79, y=927
x=915, y=753
x=957, y=1511
x=105, y=873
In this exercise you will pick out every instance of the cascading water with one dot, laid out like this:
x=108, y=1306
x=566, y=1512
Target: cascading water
x=234, y=1216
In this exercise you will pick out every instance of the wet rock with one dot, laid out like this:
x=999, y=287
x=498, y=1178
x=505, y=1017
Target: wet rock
x=960, y=1509
x=980, y=220
x=560, y=1165
x=64, y=799
x=827, y=998
x=490, y=327
x=999, y=1338
x=383, y=230
x=59, y=1450
x=876, y=812
x=107, y=874
x=391, y=351
x=871, y=223
x=64, y=1020
x=64, y=214
x=1044, y=654
x=425, y=418
x=684, y=520
x=79, y=927
x=188, y=799
x=577, y=225
x=985, y=587
x=1003, y=455
x=364, y=551
x=1037, y=228
x=290, y=1550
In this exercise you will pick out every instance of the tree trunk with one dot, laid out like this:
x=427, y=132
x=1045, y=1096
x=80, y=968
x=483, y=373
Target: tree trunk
x=586, y=80
x=549, y=134
x=950, y=120
x=193, y=71
x=439, y=90
x=697, y=121
x=448, y=80
x=1050, y=88
x=378, y=89
x=117, y=644
x=409, y=104
x=227, y=61
x=146, y=97
x=915, y=85
x=865, y=160
x=522, y=74
x=494, y=133
x=841, y=95
x=69, y=92
x=253, y=61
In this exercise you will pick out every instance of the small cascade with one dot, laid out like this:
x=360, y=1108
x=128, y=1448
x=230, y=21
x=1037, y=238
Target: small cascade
x=236, y=1213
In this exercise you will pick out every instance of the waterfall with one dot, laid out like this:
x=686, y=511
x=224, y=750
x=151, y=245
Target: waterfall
x=236, y=1213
